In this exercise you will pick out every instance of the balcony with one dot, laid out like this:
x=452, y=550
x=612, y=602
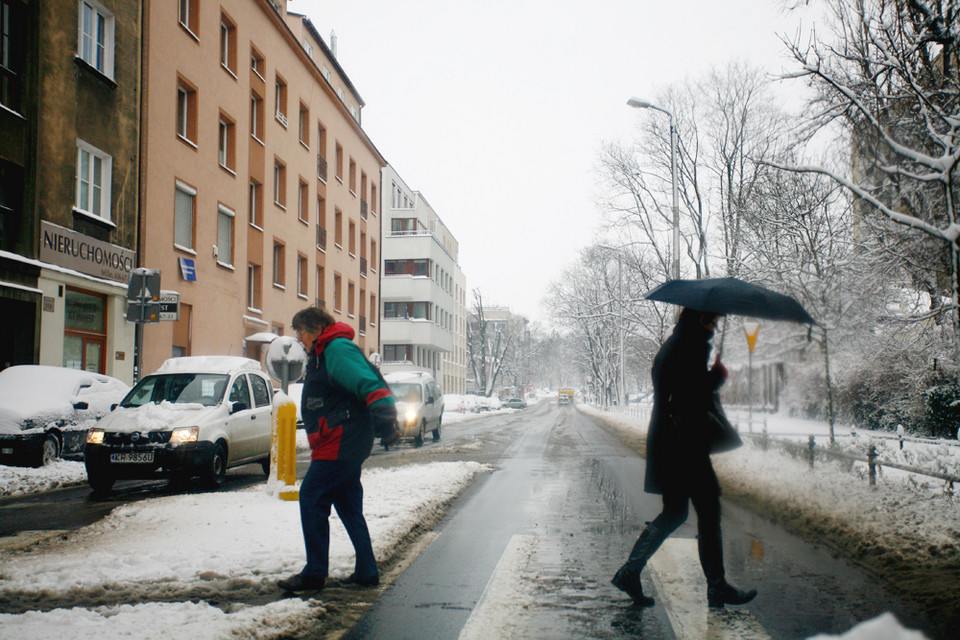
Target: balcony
x=321, y=238
x=321, y=167
x=415, y=331
x=282, y=118
x=363, y=267
x=363, y=209
x=363, y=324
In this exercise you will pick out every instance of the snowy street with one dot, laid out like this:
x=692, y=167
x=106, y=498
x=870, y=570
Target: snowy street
x=553, y=506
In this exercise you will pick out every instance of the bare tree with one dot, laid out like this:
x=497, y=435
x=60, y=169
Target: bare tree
x=488, y=343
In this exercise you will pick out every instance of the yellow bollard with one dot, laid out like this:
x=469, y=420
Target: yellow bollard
x=283, y=453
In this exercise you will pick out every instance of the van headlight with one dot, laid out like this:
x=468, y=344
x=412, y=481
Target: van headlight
x=95, y=436
x=411, y=416
x=183, y=435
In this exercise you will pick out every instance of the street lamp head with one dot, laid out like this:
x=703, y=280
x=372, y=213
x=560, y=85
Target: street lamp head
x=637, y=103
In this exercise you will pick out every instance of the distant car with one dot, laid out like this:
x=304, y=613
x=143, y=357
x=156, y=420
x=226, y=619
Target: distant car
x=514, y=403
x=419, y=404
x=45, y=411
x=195, y=416
x=563, y=401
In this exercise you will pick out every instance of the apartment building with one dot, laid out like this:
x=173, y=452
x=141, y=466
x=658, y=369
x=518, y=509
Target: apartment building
x=260, y=188
x=69, y=156
x=423, y=319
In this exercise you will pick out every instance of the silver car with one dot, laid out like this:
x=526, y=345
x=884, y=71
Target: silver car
x=419, y=404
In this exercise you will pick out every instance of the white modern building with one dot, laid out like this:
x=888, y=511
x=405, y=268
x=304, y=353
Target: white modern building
x=422, y=290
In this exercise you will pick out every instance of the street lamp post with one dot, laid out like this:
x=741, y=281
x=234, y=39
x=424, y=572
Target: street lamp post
x=637, y=103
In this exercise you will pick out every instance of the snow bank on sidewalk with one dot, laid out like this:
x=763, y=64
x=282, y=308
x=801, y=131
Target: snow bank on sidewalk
x=185, y=550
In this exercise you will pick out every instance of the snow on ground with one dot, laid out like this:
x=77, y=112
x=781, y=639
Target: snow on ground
x=198, y=548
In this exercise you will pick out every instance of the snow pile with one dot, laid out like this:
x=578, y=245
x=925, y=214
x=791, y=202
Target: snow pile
x=186, y=548
x=15, y=481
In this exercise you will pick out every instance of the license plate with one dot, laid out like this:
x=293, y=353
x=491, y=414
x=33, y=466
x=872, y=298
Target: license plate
x=135, y=458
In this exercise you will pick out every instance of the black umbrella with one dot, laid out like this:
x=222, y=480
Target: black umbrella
x=731, y=296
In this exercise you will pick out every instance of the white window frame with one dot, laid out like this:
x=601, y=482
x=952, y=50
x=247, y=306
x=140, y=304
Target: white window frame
x=87, y=204
x=95, y=36
x=225, y=216
x=223, y=143
x=190, y=191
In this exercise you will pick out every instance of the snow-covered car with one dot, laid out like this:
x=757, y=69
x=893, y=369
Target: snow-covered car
x=419, y=404
x=45, y=411
x=514, y=403
x=196, y=416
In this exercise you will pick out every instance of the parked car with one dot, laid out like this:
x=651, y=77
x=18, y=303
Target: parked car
x=514, y=403
x=45, y=411
x=196, y=416
x=419, y=404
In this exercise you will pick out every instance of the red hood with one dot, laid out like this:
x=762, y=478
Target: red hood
x=336, y=330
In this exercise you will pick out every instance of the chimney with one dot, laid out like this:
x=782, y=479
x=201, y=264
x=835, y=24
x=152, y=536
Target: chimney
x=333, y=43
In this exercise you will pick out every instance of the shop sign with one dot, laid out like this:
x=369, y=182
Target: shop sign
x=67, y=248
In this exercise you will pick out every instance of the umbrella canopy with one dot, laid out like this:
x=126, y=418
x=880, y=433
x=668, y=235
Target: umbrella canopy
x=731, y=296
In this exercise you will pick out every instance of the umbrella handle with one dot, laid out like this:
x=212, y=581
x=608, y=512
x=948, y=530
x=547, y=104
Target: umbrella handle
x=723, y=334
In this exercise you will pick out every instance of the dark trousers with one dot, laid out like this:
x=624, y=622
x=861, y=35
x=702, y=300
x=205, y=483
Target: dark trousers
x=706, y=503
x=337, y=483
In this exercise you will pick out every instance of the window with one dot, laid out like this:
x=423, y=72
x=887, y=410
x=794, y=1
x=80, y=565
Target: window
x=85, y=333
x=337, y=292
x=419, y=310
x=373, y=310
x=302, y=276
x=338, y=228
x=261, y=393
x=12, y=24
x=303, y=204
x=281, y=101
x=279, y=258
x=256, y=204
x=398, y=353
x=320, y=288
x=184, y=210
x=373, y=256
x=352, y=238
x=339, y=160
x=228, y=44
x=253, y=286
x=257, y=63
x=94, y=169
x=351, y=295
x=406, y=267
x=189, y=15
x=227, y=143
x=373, y=199
x=186, y=111
x=304, y=125
x=225, y=218
x=353, y=176
x=279, y=183
x=256, y=116
x=96, y=37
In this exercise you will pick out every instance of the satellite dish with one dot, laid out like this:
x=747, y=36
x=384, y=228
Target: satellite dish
x=286, y=360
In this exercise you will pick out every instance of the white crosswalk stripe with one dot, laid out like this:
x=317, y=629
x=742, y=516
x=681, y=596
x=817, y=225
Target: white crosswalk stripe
x=681, y=589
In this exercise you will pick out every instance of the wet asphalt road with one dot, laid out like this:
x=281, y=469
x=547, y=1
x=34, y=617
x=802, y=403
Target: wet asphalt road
x=529, y=551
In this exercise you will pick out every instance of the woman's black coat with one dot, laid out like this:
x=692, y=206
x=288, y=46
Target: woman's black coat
x=678, y=458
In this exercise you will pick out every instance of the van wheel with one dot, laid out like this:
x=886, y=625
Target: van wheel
x=418, y=439
x=216, y=469
x=100, y=480
x=265, y=465
x=436, y=432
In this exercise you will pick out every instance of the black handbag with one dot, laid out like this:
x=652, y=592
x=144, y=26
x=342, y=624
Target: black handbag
x=722, y=435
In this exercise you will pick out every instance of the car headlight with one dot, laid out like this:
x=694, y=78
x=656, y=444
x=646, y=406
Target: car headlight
x=95, y=436
x=182, y=435
x=411, y=416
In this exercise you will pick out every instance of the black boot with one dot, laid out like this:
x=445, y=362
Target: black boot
x=722, y=592
x=628, y=581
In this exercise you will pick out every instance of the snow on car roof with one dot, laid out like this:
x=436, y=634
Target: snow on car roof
x=208, y=364
x=47, y=393
x=406, y=376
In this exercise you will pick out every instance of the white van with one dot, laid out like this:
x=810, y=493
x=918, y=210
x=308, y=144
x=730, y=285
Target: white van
x=419, y=404
x=195, y=416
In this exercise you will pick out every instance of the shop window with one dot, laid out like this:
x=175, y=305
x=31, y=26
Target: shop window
x=84, y=336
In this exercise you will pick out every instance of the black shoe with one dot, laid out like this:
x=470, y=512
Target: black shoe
x=301, y=582
x=723, y=593
x=371, y=581
x=629, y=582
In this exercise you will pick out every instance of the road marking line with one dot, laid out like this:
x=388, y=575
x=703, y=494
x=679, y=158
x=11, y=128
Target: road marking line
x=678, y=579
x=506, y=595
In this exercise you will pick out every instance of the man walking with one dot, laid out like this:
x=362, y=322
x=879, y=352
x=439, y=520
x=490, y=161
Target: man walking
x=345, y=403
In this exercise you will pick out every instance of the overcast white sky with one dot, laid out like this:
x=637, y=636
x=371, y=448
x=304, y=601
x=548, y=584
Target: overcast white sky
x=495, y=109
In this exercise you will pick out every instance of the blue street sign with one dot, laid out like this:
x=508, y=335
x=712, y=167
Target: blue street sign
x=188, y=270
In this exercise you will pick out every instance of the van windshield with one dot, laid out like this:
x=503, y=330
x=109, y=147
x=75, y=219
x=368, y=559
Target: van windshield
x=180, y=388
x=405, y=392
